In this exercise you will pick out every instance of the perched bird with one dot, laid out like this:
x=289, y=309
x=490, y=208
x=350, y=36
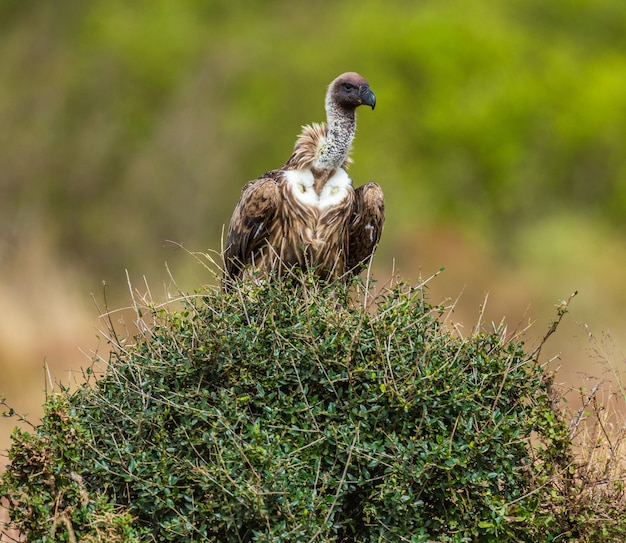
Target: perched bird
x=307, y=213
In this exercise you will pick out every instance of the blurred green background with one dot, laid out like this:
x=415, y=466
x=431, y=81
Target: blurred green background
x=498, y=138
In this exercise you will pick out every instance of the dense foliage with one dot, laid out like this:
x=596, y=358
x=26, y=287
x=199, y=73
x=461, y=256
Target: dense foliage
x=298, y=412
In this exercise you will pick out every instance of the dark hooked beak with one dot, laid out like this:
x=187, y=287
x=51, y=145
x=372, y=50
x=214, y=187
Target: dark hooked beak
x=367, y=96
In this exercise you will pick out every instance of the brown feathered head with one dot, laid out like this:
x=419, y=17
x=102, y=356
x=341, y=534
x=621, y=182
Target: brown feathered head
x=350, y=90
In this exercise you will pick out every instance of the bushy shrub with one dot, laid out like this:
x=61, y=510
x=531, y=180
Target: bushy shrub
x=292, y=411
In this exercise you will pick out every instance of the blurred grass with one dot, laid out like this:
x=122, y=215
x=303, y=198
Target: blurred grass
x=498, y=139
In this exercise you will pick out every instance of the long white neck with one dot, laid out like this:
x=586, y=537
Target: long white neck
x=341, y=129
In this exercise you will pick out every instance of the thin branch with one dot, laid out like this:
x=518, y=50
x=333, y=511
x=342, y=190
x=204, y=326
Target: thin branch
x=343, y=478
x=562, y=310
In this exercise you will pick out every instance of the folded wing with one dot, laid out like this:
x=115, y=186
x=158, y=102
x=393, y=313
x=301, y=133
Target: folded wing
x=251, y=225
x=366, y=225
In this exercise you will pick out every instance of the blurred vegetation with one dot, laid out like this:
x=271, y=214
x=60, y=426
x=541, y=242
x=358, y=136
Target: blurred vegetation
x=127, y=125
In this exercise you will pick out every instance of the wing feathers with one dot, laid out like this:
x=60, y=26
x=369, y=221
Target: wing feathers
x=254, y=220
x=251, y=223
x=366, y=225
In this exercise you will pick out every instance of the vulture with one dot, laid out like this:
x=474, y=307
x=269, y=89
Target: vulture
x=307, y=213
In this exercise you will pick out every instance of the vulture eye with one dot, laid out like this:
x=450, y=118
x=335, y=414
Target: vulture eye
x=349, y=87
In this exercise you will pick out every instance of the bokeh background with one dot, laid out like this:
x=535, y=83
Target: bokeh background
x=498, y=137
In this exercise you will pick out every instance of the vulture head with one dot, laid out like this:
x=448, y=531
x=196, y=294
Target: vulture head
x=348, y=91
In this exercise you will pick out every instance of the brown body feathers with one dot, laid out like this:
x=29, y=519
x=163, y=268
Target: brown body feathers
x=307, y=213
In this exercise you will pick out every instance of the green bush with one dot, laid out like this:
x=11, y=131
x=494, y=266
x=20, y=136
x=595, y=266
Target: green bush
x=297, y=412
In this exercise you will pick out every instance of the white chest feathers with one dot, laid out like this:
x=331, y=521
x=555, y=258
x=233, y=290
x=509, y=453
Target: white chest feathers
x=336, y=189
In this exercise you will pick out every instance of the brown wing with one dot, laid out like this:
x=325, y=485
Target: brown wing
x=366, y=225
x=250, y=224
